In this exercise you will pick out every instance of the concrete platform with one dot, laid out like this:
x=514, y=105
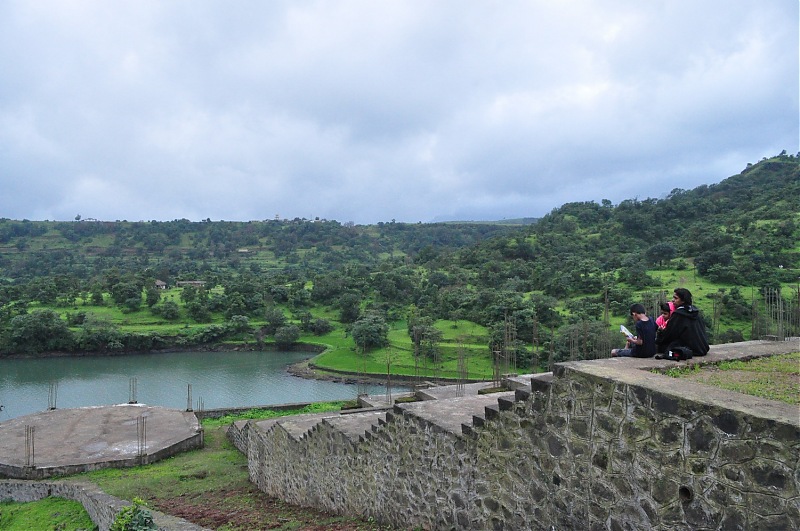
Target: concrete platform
x=68, y=441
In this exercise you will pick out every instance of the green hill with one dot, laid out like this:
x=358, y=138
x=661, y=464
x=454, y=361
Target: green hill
x=537, y=293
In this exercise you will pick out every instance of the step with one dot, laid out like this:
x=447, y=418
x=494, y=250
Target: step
x=452, y=391
x=451, y=414
x=355, y=425
x=381, y=400
x=297, y=426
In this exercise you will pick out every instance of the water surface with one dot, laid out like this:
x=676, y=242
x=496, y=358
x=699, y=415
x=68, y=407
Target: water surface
x=217, y=379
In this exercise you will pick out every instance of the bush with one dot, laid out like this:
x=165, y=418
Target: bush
x=168, y=310
x=134, y=518
x=321, y=326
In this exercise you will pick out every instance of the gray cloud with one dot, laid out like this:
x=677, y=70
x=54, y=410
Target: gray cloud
x=371, y=111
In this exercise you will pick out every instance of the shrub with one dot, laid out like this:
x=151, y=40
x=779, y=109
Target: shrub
x=134, y=518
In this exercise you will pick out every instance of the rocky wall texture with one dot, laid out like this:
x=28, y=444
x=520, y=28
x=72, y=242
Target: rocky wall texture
x=606, y=445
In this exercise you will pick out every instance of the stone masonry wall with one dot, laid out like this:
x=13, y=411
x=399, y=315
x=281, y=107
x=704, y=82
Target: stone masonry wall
x=607, y=445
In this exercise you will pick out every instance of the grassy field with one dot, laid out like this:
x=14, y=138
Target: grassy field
x=341, y=354
x=49, y=513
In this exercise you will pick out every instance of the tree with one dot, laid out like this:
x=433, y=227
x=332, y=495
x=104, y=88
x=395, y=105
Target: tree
x=426, y=339
x=127, y=294
x=169, y=310
x=99, y=334
x=40, y=331
x=236, y=305
x=287, y=336
x=274, y=319
x=238, y=324
x=320, y=326
x=152, y=296
x=199, y=310
x=371, y=331
x=97, y=295
x=349, y=307
x=660, y=252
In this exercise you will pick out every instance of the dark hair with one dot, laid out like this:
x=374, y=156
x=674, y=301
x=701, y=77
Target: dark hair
x=684, y=294
x=665, y=307
x=638, y=308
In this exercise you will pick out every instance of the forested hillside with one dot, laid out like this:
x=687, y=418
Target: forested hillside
x=533, y=288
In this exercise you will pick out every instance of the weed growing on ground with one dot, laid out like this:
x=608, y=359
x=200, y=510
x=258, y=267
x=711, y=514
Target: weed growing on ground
x=773, y=377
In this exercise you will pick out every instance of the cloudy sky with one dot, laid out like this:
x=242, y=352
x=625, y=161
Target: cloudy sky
x=372, y=110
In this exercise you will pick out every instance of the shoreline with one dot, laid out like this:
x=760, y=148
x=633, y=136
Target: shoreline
x=307, y=369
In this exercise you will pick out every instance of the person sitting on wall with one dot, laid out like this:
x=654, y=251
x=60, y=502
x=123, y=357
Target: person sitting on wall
x=661, y=322
x=666, y=310
x=685, y=329
x=643, y=344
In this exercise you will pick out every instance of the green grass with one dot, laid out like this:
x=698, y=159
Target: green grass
x=263, y=414
x=49, y=513
x=340, y=353
x=400, y=355
x=773, y=377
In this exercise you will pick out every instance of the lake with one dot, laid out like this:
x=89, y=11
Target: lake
x=217, y=379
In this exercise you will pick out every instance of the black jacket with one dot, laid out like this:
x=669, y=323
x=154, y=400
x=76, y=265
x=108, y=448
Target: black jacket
x=685, y=329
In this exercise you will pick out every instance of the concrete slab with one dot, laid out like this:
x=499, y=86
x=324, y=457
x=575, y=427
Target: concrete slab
x=74, y=440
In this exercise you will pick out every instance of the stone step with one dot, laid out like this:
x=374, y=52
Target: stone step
x=541, y=382
x=452, y=414
x=381, y=400
x=518, y=381
x=452, y=391
x=297, y=426
x=525, y=381
x=355, y=426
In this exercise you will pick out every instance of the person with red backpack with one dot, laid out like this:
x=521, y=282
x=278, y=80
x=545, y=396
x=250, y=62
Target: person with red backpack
x=685, y=333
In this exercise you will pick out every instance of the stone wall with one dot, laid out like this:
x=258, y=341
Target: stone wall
x=101, y=507
x=607, y=444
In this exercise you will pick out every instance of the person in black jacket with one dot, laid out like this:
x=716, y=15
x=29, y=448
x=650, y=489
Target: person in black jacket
x=685, y=328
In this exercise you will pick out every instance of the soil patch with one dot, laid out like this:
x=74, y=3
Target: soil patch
x=249, y=508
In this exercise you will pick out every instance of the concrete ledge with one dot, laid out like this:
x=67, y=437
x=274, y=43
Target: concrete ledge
x=644, y=372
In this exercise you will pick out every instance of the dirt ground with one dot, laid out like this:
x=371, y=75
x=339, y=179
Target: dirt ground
x=214, y=511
